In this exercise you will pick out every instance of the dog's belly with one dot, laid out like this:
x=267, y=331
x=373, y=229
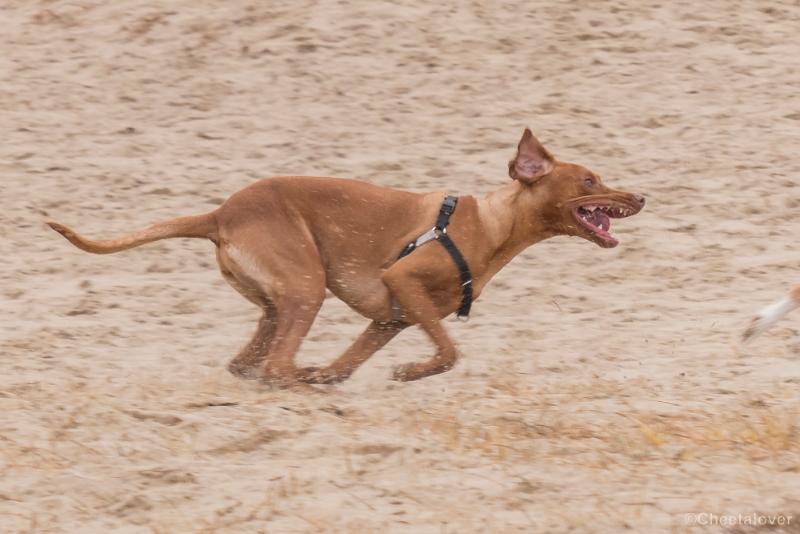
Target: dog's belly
x=363, y=292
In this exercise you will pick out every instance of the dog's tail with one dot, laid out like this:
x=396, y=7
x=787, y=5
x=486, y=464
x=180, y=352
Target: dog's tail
x=192, y=226
x=771, y=314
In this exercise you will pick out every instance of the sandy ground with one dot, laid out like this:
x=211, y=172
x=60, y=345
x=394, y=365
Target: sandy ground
x=599, y=390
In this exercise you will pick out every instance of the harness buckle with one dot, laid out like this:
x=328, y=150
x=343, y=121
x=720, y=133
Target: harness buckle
x=427, y=236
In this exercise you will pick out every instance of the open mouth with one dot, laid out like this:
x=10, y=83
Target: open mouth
x=596, y=218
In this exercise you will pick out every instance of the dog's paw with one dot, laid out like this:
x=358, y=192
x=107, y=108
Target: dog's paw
x=406, y=372
x=318, y=375
x=286, y=382
x=246, y=372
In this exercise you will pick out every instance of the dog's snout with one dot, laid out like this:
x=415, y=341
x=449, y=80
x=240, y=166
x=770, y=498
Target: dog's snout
x=640, y=199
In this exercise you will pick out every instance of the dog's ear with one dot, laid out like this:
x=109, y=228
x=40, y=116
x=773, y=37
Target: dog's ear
x=532, y=160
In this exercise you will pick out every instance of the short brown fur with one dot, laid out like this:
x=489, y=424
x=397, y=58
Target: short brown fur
x=282, y=241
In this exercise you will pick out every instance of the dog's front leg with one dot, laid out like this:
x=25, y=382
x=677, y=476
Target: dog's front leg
x=377, y=334
x=420, y=309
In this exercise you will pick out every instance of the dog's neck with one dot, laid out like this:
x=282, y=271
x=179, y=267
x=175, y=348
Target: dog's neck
x=513, y=220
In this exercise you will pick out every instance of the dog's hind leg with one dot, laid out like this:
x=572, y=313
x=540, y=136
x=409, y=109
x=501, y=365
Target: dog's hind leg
x=295, y=315
x=247, y=363
x=289, y=287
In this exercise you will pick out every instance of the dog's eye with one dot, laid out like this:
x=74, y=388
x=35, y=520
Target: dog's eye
x=589, y=182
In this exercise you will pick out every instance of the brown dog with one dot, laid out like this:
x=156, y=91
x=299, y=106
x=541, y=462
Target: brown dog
x=282, y=241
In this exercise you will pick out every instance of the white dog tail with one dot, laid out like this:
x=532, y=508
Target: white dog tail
x=192, y=226
x=773, y=313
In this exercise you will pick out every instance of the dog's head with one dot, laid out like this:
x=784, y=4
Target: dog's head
x=569, y=199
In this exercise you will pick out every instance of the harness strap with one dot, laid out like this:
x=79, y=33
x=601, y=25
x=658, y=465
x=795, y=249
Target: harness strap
x=464, y=272
x=439, y=233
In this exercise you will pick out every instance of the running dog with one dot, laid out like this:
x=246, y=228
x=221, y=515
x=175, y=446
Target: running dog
x=282, y=241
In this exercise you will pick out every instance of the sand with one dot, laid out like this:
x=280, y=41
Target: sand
x=598, y=391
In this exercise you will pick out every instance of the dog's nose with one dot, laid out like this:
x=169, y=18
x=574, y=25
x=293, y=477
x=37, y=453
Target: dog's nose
x=639, y=199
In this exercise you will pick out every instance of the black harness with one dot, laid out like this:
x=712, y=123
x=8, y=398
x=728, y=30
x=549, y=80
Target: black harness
x=439, y=233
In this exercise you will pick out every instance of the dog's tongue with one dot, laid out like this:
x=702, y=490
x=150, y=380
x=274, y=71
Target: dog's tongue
x=600, y=220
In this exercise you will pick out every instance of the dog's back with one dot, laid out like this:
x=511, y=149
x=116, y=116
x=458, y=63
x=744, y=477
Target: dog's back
x=347, y=219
